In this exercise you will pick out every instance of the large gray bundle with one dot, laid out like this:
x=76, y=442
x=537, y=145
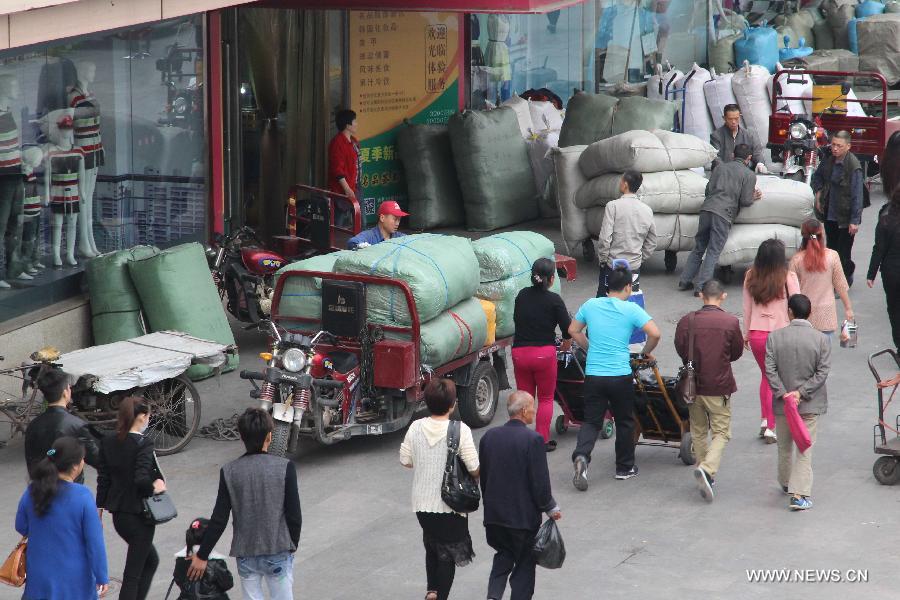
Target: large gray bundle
x=744, y=240
x=568, y=178
x=646, y=152
x=879, y=45
x=839, y=13
x=643, y=113
x=510, y=254
x=539, y=144
x=665, y=192
x=673, y=232
x=588, y=119
x=827, y=60
x=801, y=23
x=784, y=202
x=823, y=34
x=435, y=199
x=721, y=52
x=454, y=333
x=302, y=296
x=493, y=167
x=441, y=271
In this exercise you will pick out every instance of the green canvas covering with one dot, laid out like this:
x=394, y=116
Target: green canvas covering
x=115, y=305
x=588, y=119
x=441, y=271
x=507, y=290
x=302, y=296
x=510, y=254
x=435, y=199
x=178, y=294
x=454, y=333
x=642, y=113
x=494, y=170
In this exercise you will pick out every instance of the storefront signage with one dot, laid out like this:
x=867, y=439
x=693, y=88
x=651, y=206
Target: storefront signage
x=403, y=66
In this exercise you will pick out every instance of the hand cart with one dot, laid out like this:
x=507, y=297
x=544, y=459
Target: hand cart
x=887, y=467
x=662, y=419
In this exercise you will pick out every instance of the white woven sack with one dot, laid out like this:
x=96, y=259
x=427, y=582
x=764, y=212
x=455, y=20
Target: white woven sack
x=744, y=240
x=539, y=145
x=669, y=192
x=568, y=181
x=669, y=228
x=544, y=115
x=750, y=89
x=645, y=151
x=523, y=114
x=685, y=232
x=718, y=95
x=783, y=202
x=802, y=89
x=696, y=120
x=660, y=81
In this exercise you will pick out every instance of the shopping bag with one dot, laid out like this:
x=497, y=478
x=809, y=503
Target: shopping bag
x=799, y=432
x=549, y=550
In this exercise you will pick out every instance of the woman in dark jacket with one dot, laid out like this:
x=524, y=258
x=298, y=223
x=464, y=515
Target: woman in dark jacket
x=886, y=258
x=126, y=475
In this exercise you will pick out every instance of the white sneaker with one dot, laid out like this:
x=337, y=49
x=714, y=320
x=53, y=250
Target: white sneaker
x=769, y=437
x=762, y=427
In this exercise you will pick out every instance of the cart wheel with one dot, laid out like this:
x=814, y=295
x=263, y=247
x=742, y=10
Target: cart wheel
x=608, y=430
x=886, y=470
x=478, y=402
x=174, y=413
x=280, y=437
x=686, y=450
x=671, y=260
x=560, y=425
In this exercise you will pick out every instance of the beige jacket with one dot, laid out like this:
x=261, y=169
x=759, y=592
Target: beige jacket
x=628, y=232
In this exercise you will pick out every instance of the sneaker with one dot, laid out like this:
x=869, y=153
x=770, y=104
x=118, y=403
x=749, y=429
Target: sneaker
x=769, y=437
x=800, y=503
x=762, y=427
x=704, y=484
x=622, y=475
x=684, y=286
x=580, y=480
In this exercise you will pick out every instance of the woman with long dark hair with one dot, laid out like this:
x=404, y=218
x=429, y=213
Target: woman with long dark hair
x=65, y=555
x=537, y=314
x=127, y=474
x=889, y=165
x=818, y=268
x=767, y=286
x=886, y=258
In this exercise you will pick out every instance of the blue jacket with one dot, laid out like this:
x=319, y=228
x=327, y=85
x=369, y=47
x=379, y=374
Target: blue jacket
x=369, y=236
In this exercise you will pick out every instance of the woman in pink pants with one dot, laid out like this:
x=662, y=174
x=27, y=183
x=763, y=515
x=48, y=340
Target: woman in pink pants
x=767, y=286
x=538, y=312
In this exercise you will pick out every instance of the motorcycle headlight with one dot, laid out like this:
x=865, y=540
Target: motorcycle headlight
x=294, y=360
x=798, y=131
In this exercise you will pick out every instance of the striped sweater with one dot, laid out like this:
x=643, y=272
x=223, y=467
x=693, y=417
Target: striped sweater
x=10, y=146
x=87, y=127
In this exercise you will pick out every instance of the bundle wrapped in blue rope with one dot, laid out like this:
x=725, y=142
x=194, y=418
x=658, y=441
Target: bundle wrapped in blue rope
x=302, y=296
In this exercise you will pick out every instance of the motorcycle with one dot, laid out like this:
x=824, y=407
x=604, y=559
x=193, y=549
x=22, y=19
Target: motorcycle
x=803, y=148
x=244, y=273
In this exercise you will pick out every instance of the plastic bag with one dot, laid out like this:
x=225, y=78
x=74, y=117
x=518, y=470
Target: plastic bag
x=549, y=550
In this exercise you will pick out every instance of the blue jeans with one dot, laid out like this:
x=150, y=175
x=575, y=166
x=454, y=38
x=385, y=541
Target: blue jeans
x=277, y=570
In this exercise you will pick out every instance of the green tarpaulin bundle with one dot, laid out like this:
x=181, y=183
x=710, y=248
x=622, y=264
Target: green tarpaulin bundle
x=178, y=294
x=435, y=199
x=494, y=169
x=441, y=271
x=454, y=333
x=115, y=305
x=301, y=297
x=594, y=117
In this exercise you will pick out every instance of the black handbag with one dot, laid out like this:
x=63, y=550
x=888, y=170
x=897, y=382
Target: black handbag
x=159, y=508
x=459, y=490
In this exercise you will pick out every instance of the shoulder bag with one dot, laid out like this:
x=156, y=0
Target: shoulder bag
x=686, y=387
x=159, y=508
x=459, y=490
x=12, y=572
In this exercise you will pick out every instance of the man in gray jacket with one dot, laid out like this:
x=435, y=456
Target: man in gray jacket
x=798, y=358
x=730, y=135
x=730, y=187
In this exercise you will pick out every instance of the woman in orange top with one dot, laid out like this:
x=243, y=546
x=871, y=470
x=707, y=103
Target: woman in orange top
x=767, y=286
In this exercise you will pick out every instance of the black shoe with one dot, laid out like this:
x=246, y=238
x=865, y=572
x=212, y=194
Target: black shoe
x=550, y=446
x=580, y=480
x=704, y=484
x=684, y=286
x=622, y=475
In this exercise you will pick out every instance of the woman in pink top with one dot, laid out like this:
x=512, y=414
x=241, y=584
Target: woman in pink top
x=767, y=286
x=819, y=271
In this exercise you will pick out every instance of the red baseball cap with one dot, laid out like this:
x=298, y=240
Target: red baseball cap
x=391, y=207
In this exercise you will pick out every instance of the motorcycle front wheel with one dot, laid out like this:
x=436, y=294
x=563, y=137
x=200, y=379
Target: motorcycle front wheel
x=280, y=437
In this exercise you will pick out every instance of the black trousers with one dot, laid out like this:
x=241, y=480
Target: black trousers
x=891, y=285
x=141, y=559
x=840, y=240
x=447, y=543
x=600, y=394
x=513, y=562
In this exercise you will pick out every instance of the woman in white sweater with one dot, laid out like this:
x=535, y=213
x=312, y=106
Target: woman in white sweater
x=424, y=449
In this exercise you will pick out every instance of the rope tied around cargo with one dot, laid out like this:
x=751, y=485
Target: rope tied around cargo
x=397, y=252
x=461, y=324
x=521, y=250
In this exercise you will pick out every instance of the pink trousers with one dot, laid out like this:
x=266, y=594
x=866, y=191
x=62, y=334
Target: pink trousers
x=758, y=346
x=535, y=369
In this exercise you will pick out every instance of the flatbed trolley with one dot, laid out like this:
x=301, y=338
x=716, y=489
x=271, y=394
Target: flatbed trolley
x=887, y=466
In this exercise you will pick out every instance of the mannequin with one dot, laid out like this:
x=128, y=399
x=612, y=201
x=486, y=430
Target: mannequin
x=30, y=219
x=64, y=172
x=87, y=138
x=11, y=184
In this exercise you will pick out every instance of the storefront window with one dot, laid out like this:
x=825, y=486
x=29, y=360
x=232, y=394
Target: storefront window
x=102, y=147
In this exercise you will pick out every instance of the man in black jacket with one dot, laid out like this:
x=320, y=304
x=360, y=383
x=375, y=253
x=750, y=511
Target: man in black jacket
x=57, y=422
x=515, y=485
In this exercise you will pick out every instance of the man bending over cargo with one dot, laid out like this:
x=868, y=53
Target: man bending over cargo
x=731, y=186
x=389, y=215
x=729, y=136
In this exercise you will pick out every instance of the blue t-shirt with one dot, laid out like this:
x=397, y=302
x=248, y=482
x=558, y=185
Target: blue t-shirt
x=610, y=322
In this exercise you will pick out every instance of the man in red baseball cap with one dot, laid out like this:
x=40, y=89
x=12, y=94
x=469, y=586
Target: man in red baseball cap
x=389, y=215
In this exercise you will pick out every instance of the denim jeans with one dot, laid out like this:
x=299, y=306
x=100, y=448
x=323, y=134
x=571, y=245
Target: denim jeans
x=277, y=570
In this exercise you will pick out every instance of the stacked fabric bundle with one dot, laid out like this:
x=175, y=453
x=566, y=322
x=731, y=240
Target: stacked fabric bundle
x=593, y=117
x=301, y=297
x=115, y=304
x=435, y=199
x=505, y=261
x=879, y=45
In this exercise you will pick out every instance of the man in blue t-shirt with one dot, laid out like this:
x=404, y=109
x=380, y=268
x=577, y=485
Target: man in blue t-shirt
x=608, y=383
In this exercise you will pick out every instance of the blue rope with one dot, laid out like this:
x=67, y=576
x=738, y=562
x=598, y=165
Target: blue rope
x=396, y=253
x=528, y=261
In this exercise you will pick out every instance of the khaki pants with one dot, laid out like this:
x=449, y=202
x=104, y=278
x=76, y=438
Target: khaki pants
x=710, y=414
x=796, y=474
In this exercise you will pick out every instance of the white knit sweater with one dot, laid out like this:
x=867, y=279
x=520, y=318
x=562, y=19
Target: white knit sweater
x=425, y=449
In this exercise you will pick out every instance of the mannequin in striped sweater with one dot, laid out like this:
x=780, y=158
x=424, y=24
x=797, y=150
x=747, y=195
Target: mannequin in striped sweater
x=87, y=138
x=11, y=189
x=64, y=174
